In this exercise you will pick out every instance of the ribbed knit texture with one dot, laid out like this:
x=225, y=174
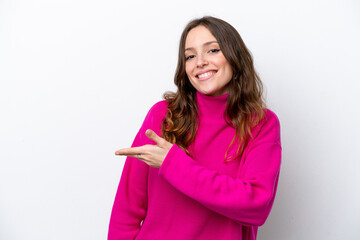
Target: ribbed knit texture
x=203, y=197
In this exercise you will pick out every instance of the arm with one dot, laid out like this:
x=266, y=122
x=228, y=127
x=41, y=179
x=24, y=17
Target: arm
x=247, y=198
x=130, y=203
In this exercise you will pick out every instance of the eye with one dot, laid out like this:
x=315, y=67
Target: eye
x=215, y=50
x=189, y=57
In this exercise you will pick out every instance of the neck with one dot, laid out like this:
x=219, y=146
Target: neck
x=212, y=107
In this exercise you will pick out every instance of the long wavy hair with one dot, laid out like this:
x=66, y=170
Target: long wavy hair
x=245, y=105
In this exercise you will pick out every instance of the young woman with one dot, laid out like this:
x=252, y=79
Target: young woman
x=205, y=163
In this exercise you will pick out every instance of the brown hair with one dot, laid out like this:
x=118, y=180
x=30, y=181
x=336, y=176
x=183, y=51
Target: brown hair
x=245, y=106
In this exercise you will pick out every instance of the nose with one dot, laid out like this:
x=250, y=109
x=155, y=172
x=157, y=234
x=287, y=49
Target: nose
x=201, y=61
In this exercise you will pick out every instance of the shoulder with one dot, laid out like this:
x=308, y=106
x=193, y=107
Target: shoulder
x=268, y=128
x=156, y=115
x=159, y=109
x=271, y=118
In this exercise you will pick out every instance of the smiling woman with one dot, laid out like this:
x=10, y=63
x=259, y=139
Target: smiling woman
x=206, y=67
x=205, y=163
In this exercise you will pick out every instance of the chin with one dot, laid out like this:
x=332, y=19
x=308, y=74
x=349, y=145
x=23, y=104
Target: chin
x=208, y=92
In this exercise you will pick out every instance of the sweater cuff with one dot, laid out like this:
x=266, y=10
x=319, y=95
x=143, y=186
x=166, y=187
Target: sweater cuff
x=169, y=160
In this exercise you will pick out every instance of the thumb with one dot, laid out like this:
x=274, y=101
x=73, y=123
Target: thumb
x=153, y=136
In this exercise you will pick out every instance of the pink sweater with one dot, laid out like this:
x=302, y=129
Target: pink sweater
x=204, y=197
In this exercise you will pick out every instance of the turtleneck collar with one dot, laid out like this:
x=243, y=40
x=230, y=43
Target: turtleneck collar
x=209, y=106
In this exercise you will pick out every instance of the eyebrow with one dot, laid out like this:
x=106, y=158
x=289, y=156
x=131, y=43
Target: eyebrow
x=205, y=44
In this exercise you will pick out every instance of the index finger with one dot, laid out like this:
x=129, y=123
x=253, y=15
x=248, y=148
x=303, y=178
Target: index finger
x=129, y=151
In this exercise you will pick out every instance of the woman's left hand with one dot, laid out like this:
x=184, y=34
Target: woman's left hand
x=152, y=155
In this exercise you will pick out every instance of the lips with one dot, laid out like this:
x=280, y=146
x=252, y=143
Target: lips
x=205, y=75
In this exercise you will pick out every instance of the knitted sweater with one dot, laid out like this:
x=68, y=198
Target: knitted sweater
x=202, y=197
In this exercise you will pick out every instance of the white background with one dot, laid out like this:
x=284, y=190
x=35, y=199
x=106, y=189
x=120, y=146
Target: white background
x=78, y=77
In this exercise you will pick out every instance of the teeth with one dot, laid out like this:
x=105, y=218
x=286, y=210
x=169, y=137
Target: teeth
x=206, y=74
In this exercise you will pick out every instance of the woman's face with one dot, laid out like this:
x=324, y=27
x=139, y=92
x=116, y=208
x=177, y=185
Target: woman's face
x=205, y=65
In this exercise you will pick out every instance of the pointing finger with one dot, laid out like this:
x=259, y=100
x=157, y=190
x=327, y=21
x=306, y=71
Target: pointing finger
x=129, y=151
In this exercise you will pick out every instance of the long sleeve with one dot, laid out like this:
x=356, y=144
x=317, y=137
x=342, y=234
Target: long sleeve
x=247, y=198
x=131, y=200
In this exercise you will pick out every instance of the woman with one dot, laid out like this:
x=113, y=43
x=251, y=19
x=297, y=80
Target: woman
x=205, y=163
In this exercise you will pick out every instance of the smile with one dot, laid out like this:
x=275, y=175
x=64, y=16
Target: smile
x=206, y=75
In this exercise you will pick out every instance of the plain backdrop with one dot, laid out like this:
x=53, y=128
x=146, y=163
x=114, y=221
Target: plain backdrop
x=78, y=77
